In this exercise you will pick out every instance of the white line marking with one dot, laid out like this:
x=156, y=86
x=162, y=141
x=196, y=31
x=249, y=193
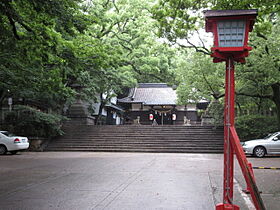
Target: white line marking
x=245, y=196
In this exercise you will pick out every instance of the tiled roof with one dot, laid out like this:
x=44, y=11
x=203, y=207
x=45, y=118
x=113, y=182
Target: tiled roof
x=152, y=85
x=151, y=94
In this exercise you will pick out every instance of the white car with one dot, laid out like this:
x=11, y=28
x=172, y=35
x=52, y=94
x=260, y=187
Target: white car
x=269, y=145
x=11, y=143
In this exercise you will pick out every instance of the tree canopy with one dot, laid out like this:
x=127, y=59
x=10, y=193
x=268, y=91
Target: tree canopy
x=48, y=46
x=35, y=36
x=257, y=82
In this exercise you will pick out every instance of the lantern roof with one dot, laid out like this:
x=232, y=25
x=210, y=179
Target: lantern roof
x=215, y=15
x=228, y=13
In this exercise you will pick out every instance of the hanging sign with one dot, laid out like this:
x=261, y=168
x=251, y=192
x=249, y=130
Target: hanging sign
x=151, y=116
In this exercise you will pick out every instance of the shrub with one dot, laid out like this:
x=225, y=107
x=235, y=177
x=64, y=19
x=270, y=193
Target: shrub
x=27, y=121
x=255, y=126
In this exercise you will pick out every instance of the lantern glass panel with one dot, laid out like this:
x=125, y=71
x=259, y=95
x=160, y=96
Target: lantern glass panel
x=231, y=33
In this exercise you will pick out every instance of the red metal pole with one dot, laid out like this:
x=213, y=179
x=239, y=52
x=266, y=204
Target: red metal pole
x=228, y=149
x=231, y=146
x=228, y=121
x=245, y=168
x=247, y=190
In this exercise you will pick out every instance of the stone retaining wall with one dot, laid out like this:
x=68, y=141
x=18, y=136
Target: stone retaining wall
x=37, y=143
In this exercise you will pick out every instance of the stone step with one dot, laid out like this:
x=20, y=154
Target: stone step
x=138, y=143
x=143, y=131
x=140, y=146
x=159, y=137
x=139, y=150
x=127, y=147
x=92, y=135
x=139, y=139
x=140, y=126
x=188, y=137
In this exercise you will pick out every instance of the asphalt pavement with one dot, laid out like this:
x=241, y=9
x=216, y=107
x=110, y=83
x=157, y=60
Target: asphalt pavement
x=88, y=180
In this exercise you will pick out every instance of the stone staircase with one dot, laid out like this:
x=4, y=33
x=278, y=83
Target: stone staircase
x=141, y=138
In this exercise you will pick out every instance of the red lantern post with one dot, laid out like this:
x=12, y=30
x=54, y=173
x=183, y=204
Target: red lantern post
x=231, y=30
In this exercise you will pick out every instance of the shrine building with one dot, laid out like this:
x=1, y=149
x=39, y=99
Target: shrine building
x=156, y=103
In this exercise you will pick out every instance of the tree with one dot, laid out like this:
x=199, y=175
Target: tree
x=179, y=19
x=130, y=29
x=199, y=78
x=34, y=36
x=124, y=48
x=260, y=77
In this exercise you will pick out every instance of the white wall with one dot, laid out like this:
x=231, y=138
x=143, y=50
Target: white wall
x=118, y=120
x=191, y=107
x=113, y=100
x=104, y=112
x=180, y=108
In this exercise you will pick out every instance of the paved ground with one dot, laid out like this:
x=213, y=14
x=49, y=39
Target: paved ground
x=79, y=180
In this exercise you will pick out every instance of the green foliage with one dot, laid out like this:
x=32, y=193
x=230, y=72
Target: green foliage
x=27, y=121
x=216, y=110
x=177, y=19
x=128, y=33
x=34, y=36
x=255, y=126
x=47, y=46
x=199, y=78
x=256, y=82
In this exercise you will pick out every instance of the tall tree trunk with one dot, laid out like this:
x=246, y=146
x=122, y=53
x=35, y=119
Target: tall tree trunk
x=276, y=100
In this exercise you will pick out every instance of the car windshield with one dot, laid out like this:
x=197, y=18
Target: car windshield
x=269, y=135
x=6, y=133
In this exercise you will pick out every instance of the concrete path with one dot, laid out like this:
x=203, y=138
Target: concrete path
x=79, y=180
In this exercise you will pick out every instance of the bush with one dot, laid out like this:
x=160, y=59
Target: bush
x=255, y=126
x=27, y=121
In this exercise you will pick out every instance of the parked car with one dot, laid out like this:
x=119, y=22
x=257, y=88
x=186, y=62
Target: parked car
x=11, y=143
x=269, y=145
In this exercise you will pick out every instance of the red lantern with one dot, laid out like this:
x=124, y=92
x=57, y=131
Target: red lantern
x=230, y=29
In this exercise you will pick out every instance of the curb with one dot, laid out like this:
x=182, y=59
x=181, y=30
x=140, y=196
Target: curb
x=272, y=168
